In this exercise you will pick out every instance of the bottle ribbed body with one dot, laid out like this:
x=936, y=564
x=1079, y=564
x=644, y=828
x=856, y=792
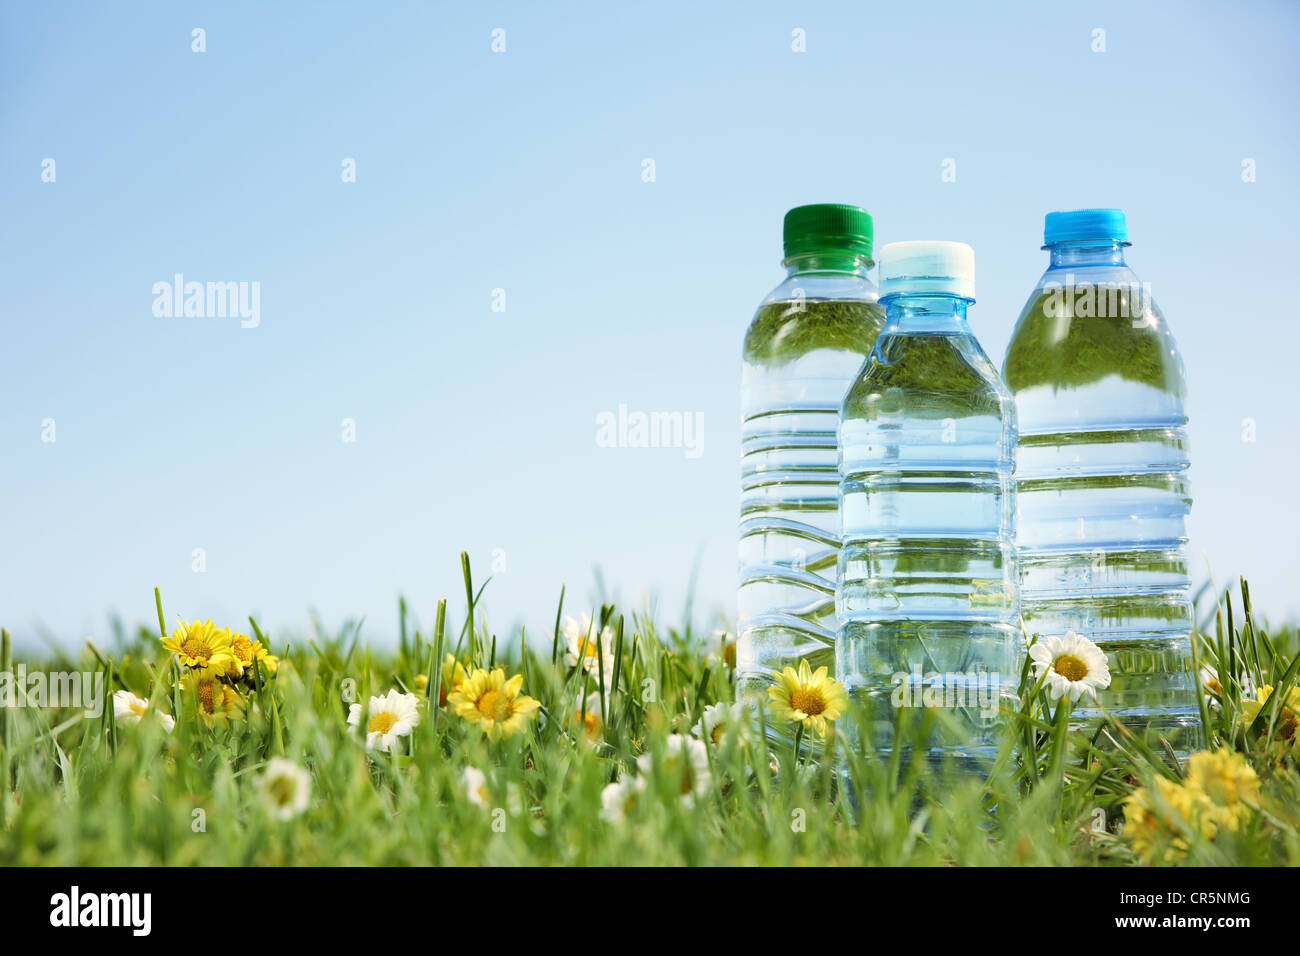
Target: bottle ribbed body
x=800, y=355
x=1103, y=494
x=927, y=595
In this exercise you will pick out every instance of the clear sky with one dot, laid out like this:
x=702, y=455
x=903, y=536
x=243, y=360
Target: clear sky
x=525, y=171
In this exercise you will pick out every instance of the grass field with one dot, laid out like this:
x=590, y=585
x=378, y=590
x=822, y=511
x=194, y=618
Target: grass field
x=246, y=755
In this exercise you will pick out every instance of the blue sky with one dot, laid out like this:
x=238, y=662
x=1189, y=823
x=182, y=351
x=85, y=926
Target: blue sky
x=522, y=171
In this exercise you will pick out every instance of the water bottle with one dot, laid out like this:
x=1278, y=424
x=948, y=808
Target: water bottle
x=1102, y=474
x=804, y=345
x=927, y=596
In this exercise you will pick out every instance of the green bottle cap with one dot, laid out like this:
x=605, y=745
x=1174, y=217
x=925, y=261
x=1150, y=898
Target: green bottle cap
x=828, y=228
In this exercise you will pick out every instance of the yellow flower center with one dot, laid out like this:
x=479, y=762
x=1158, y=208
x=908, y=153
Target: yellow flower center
x=687, y=779
x=590, y=721
x=196, y=648
x=494, y=705
x=207, y=695
x=242, y=648
x=808, y=700
x=718, y=730
x=1287, y=724
x=381, y=723
x=282, y=791
x=1070, y=667
x=137, y=708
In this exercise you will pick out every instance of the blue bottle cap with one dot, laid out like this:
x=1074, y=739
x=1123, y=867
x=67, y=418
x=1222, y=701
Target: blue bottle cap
x=1084, y=224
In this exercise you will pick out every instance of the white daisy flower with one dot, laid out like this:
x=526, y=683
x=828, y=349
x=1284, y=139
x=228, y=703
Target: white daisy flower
x=685, y=759
x=129, y=709
x=389, y=717
x=721, y=720
x=581, y=644
x=285, y=788
x=476, y=788
x=618, y=799
x=476, y=791
x=587, y=726
x=1073, y=664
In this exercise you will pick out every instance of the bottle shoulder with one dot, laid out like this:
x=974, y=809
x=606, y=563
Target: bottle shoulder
x=941, y=375
x=1080, y=326
x=799, y=317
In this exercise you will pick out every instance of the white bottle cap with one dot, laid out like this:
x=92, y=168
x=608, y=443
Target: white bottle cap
x=927, y=267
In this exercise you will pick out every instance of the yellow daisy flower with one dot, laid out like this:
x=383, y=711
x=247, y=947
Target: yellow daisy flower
x=202, y=646
x=488, y=699
x=244, y=651
x=1228, y=786
x=1287, y=720
x=810, y=697
x=1157, y=820
x=1220, y=792
x=453, y=675
x=218, y=701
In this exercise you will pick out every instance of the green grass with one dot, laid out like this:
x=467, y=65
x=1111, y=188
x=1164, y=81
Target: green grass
x=98, y=791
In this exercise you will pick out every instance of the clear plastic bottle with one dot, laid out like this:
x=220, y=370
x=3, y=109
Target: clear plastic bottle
x=804, y=345
x=927, y=594
x=1102, y=473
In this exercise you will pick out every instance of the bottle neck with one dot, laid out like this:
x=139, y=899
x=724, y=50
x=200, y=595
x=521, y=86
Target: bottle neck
x=843, y=263
x=916, y=312
x=1089, y=252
